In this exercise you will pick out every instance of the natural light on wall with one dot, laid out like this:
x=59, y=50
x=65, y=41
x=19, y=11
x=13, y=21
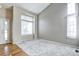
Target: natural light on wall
x=71, y=21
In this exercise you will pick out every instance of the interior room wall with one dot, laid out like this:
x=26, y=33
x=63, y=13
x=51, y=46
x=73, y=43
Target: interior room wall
x=2, y=12
x=2, y=40
x=17, y=12
x=52, y=24
x=2, y=16
x=77, y=24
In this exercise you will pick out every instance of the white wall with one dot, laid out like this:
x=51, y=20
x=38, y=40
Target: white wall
x=2, y=12
x=2, y=17
x=17, y=12
x=52, y=24
x=2, y=40
x=78, y=26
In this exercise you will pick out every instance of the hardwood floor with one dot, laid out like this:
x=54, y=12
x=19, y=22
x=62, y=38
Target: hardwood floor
x=11, y=50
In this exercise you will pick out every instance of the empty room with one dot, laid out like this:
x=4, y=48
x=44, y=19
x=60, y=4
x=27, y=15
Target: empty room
x=39, y=29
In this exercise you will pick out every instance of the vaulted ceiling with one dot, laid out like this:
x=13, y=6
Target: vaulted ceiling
x=32, y=7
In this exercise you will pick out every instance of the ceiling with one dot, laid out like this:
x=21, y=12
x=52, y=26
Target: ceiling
x=32, y=7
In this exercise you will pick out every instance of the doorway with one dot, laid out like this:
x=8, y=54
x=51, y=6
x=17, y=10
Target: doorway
x=4, y=30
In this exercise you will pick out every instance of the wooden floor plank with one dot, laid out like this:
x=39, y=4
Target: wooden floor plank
x=11, y=50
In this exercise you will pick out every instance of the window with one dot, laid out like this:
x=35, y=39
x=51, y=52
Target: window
x=6, y=30
x=26, y=25
x=71, y=21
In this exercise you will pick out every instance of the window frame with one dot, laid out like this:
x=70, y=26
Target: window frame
x=69, y=15
x=28, y=22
